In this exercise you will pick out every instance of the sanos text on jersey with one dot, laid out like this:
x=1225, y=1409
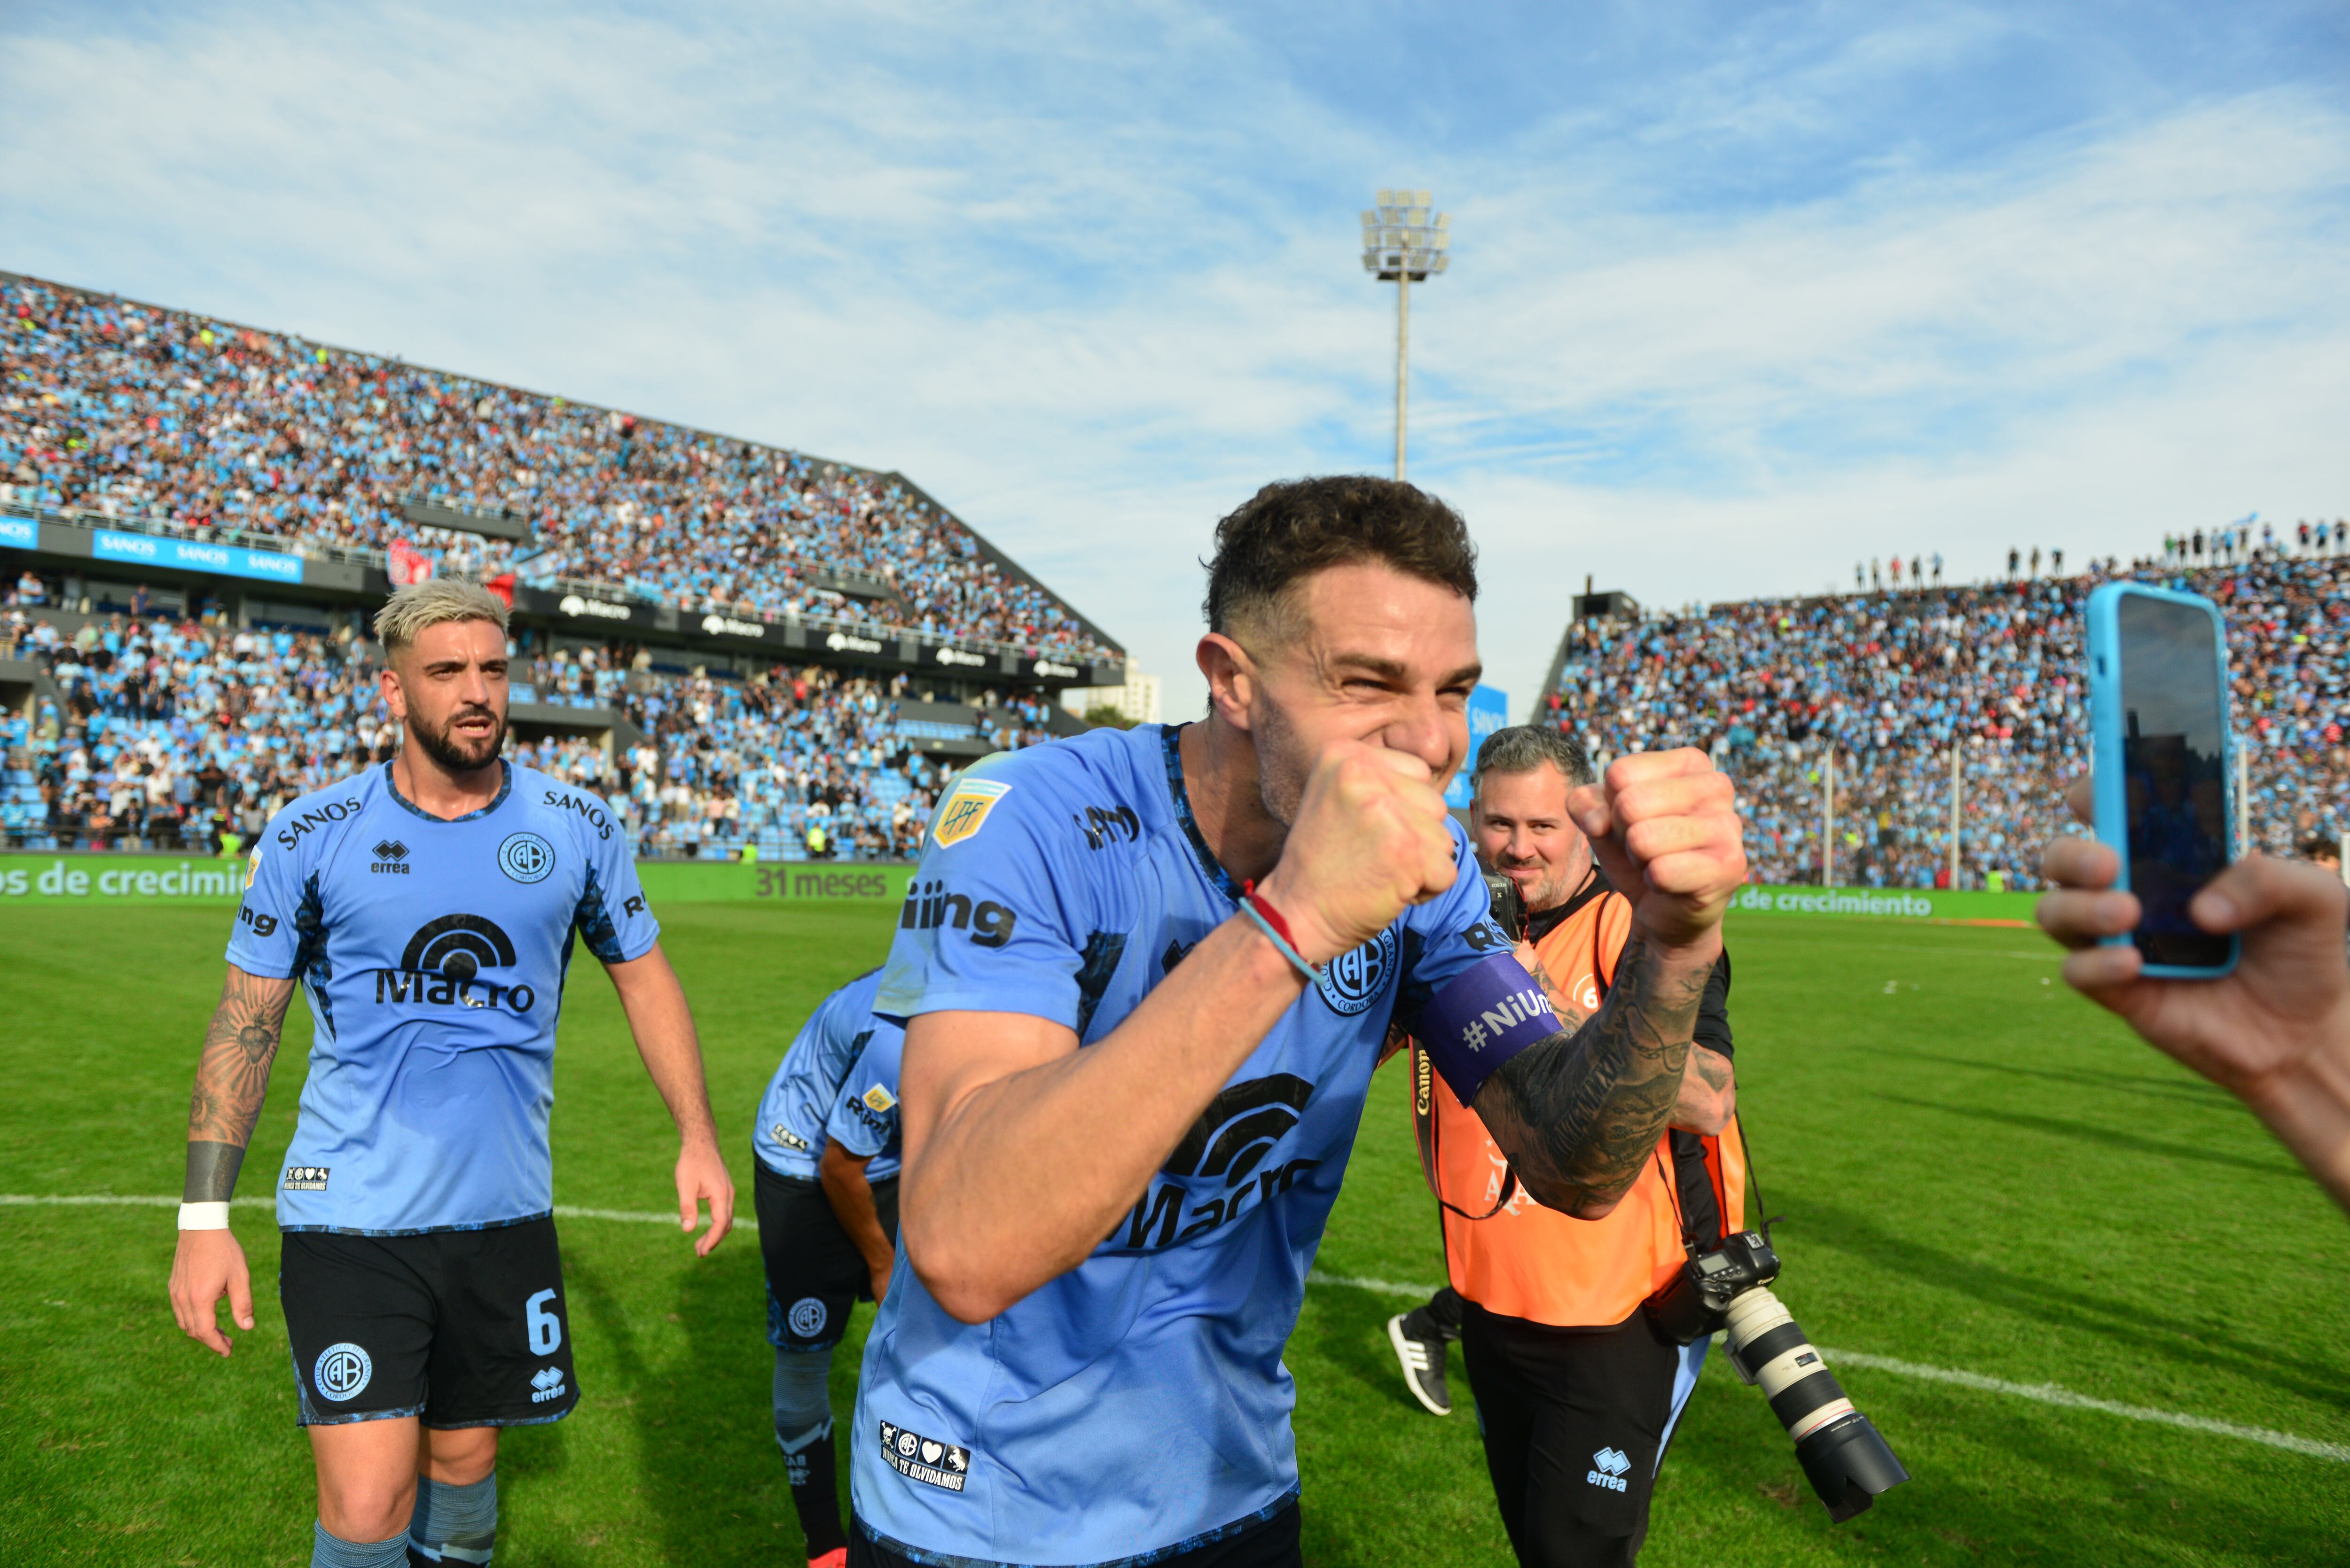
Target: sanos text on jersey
x=930, y=906
x=290, y=832
x=585, y=805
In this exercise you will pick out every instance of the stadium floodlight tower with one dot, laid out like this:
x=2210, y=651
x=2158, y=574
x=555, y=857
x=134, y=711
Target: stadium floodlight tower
x=1404, y=242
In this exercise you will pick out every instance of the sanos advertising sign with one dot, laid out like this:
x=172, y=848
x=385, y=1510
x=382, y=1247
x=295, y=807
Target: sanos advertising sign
x=188, y=556
x=21, y=533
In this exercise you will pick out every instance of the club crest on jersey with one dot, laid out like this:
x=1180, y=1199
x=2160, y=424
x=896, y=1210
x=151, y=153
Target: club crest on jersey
x=925, y=1459
x=526, y=858
x=1353, y=981
x=964, y=811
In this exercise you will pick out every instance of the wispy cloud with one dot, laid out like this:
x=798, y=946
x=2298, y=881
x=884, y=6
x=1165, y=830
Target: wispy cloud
x=1740, y=294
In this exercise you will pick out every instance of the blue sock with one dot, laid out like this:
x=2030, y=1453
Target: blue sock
x=333, y=1552
x=454, y=1523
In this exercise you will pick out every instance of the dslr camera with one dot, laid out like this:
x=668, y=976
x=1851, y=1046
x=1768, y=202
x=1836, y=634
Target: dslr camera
x=1723, y=1287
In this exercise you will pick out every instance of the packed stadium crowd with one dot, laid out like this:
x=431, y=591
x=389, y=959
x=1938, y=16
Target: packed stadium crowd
x=1894, y=681
x=184, y=736
x=216, y=431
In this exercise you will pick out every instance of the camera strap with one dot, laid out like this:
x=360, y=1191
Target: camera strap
x=1425, y=1134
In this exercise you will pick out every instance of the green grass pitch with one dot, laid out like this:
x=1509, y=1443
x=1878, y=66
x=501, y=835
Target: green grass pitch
x=1978, y=1171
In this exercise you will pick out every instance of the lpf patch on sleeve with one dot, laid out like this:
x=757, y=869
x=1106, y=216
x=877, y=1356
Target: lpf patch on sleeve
x=964, y=811
x=924, y=1460
x=1486, y=1014
x=252, y=866
x=878, y=1098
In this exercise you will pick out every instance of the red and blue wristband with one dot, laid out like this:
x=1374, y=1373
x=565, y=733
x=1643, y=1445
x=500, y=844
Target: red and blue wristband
x=1266, y=919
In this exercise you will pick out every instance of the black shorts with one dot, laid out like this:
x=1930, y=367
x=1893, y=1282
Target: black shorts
x=815, y=1272
x=462, y=1328
x=1573, y=1421
x=1261, y=1544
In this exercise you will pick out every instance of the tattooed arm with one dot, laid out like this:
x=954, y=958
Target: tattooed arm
x=231, y=1079
x=1579, y=1114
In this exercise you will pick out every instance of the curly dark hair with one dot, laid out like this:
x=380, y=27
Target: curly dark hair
x=1288, y=531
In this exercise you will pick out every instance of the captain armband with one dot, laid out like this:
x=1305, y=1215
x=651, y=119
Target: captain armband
x=1484, y=1015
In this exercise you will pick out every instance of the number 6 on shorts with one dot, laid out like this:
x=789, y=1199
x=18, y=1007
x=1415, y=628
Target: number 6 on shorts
x=545, y=1328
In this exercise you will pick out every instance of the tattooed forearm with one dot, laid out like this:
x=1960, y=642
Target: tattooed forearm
x=233, y=1074
x=1579, y=1114
x=1707, y=1097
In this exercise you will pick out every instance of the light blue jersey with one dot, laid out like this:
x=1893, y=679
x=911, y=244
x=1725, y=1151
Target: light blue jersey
x=864, y=1119
x=433, y=954
x=1137, y=1404
x=802, y=1097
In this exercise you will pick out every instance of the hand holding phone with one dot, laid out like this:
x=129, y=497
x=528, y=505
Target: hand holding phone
x=2164, y=766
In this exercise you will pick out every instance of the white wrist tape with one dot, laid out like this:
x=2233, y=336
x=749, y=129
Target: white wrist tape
x=203, y=1216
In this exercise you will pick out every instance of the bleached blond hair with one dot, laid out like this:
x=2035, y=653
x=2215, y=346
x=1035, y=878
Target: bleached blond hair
x=410, y=609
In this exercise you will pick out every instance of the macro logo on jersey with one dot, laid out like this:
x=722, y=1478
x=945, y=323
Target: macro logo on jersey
x=341, y=1372
x=526, y=858
x=390, y=857
x=921, y=1459
x=964, y=811
x=443, y=966
x=1353, y=981
x=1230, y=1144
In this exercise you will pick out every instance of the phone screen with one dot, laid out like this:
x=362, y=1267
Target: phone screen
x=2174, y=761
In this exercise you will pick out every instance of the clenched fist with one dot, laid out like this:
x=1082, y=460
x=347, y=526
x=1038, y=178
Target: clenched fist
x=1370, y=839
x=1665, y=828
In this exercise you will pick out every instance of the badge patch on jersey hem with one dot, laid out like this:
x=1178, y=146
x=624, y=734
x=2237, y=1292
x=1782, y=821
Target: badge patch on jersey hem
x=306, y=1178
x=964, y=811
x=924, y=1460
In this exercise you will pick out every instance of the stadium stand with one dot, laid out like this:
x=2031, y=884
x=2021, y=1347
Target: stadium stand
x=213, y=432
x=747, y=648
x=1896, y=680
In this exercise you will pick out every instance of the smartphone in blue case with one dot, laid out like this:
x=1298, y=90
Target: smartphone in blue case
x=2166, y=766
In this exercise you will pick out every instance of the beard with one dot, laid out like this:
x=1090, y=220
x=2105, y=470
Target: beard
x=454, y=753
x=1282, y=767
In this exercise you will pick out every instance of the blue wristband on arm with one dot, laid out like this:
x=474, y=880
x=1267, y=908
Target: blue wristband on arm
x=1484, y=1015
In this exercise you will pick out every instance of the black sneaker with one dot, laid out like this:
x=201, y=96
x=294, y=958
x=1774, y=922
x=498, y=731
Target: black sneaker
x=1423, y=1365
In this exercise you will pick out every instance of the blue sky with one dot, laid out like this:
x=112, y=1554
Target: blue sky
x=1740, y=292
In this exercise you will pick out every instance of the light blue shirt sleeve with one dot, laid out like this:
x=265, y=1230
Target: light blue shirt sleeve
x=864, y=1119
x=613, y=918
x=991, y=923
x=1447, y=934
x=266, y=939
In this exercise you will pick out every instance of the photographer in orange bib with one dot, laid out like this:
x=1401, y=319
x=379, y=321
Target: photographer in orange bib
x=1577, y=1394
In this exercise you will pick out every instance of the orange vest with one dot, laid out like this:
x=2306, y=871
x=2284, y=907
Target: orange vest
x=1522, y=1260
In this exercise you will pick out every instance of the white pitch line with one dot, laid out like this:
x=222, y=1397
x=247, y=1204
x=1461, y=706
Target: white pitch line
x=2050, y=1394
x=2039, y=1393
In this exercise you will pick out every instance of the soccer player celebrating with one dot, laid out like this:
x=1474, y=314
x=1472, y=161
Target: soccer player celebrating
x=428, y=907
x=1146, y=976
x=827, y=1191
